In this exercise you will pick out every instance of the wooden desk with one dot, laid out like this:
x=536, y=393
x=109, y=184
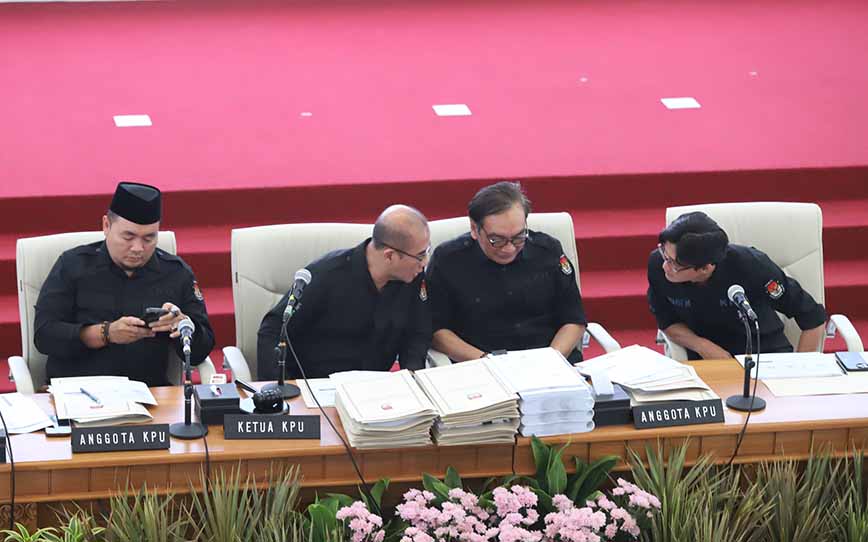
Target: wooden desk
x=47, y=472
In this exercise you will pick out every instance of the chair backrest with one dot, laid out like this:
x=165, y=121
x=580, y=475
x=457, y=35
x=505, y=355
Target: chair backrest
x=34, y=258
x=790, y=233
x=265, y=259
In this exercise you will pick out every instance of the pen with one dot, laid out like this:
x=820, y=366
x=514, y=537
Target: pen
x=92, y=396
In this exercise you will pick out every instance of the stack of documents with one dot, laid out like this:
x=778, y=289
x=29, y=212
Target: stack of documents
x=553, y=398
x=388, y=411
x=101, y=400
x=648, y=376
x=473, y=406
x=22, y=414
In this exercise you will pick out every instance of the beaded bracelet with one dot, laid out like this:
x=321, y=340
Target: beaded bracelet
x=105, y=332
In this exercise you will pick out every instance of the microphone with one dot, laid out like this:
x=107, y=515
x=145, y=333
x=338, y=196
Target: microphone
x=186, y=328
x=736, y=295
x=302, y=279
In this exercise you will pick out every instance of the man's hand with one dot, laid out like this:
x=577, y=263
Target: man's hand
x=712, y=351
x=169, y=322
x=129, y=329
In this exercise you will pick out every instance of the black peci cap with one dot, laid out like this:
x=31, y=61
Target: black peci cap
x=139, y=203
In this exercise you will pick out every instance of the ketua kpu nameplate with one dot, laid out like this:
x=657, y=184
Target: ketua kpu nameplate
x=677, y=413
x=120, y=439
x=268, y=426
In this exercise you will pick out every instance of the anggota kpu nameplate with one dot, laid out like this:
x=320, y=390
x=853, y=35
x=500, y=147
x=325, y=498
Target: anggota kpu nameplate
x=269, y=426
x=120, y=438
x=676, y=413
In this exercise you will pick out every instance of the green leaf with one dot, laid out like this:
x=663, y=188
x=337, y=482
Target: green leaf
x=541, y=453
x=377, y=493
x=452, y=479
x=435, y=486
x=556, y=475
x=544, y=502
x=342, y=499
x=590, y=482
x=322, y=522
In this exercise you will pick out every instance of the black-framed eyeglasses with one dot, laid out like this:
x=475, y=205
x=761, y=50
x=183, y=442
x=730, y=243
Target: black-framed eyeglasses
x=498, y=241
x=418, y=257
x=676, y=267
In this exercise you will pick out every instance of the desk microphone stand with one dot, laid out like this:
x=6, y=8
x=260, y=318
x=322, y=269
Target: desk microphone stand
x=745, y=402
x=287, y=390
x=188, y=430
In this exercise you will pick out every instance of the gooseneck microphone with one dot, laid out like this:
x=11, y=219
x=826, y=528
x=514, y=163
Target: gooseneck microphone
x=186, y=328
x=739, y=299
x=302, y=279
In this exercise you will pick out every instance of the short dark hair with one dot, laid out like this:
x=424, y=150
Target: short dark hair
x=495, y=199
x=698, y=239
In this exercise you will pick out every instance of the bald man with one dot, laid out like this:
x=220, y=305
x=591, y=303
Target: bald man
x=366, y=306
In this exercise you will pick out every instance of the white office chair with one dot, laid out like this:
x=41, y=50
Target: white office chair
x=35, y=256
x=792, y=236
x=265, y=258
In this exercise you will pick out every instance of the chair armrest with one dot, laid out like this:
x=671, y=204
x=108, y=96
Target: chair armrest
x=20, y=374
x=437, y=359
x=672, y=350
x=206, y=369
x=602, y=336
x=841, y=324
x=233, y=357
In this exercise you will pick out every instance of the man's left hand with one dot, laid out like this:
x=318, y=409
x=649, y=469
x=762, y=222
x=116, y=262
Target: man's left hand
x=169, y=322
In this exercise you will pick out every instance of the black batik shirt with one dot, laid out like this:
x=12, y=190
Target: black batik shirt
x=86, y=287
x=707, y=311
x=516, y=306
x=344, y=323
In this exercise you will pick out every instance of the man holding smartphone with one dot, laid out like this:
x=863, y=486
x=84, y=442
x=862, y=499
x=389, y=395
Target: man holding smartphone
x=113, y=307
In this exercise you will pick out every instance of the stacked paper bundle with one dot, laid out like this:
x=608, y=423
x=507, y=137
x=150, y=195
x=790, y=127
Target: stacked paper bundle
x=648, y=376
x=390, y=411
x=473, y=406
x=553, y=398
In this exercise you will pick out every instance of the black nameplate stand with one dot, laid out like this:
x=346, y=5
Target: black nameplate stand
x=212, y=402
x=269, y=426
x=675, y=413
x=612, y=409
x=120, y=438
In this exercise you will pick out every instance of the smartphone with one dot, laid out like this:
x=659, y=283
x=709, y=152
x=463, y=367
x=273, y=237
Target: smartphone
x=61, y=428
x=852, y=361
x=152, y=314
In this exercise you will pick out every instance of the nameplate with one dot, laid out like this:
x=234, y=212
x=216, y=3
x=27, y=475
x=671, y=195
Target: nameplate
x=121, y=438
x=267, y=426
x=676, y=413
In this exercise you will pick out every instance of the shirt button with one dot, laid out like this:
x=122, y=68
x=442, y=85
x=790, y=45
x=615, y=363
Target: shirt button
x=518, y=325
x=476, y=300
x=509, y=292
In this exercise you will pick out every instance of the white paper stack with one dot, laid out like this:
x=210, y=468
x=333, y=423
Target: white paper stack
x=390, y=411
x=22, y=414
x=473, y=405
x=553, y=398
x=648, y=376
x=101, y=400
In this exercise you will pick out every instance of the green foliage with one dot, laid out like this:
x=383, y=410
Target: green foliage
x=145, y=517
x=21, y=534
x=853, y=505
x=552, y=479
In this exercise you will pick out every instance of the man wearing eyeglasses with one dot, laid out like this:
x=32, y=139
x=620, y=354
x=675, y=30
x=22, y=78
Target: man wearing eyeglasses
x=364, y=308
x=688, y=278
x=501, y=286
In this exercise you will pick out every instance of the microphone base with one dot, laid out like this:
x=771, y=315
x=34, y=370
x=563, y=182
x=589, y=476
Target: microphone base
x=742, y=403
x=188, y=432
x=288, y=390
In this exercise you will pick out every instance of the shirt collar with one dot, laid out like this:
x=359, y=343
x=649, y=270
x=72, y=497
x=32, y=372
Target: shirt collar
x=105, y=260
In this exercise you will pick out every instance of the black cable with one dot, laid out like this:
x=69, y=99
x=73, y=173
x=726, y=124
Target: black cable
x=364, y=487
x=207, y=463
x=11, y=474
x=752, y=397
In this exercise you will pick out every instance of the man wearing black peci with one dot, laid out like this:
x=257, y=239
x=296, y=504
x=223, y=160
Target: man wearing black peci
x=688, y=278
x=88, y=314
x=364, y=308
x=502, y=286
